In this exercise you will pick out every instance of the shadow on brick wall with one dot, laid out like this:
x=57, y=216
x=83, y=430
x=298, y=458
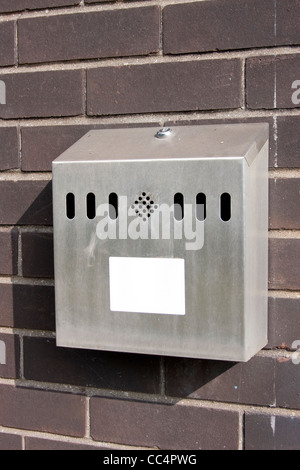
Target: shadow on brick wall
x=40, y=210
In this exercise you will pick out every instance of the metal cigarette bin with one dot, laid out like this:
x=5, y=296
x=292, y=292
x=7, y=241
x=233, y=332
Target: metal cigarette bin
x=161, y=241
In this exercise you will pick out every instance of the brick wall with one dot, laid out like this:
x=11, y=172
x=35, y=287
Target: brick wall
x=70, y=66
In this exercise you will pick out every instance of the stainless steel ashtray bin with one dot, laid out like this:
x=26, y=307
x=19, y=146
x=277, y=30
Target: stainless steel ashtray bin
x=161, y=241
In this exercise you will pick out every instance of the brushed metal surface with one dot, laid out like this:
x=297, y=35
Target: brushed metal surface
x=225, y=280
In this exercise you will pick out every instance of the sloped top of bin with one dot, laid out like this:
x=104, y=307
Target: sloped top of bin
x=184, y=142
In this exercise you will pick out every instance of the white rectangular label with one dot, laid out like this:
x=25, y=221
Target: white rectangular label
x=147, y=285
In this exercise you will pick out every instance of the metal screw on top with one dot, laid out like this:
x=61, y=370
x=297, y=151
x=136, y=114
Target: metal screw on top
x=163, y=133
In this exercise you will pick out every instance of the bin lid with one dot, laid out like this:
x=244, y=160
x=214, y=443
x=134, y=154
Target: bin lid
x=208, y=141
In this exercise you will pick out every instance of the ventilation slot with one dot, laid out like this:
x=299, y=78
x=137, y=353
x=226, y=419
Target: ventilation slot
x=70, y=205
x=201, y=206
x=91, y=206
x=178, y=206
x=113, y=206
x=225, y=204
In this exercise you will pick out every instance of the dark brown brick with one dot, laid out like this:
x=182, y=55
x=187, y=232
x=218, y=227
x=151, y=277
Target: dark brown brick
x=288, y=142
x=260, y=82
x=101, y=369
x=179, y=426
x=35, y=443
x=9, y=356
x=37, y=410
x=10, y=441
x=9, y=150
x=26, y=202
x=287, y=383
x=37, y=251
x=115, y=33
x=7, y=43
x=208, y=26
x=42, y=144
x=287, y=25
x=284, y=263
x=18, y=5
x=284, y=203
x=6, y=305
x=182, y=86
x=271, y=432
x=250, y=383
x=269, y=81
x=9, y=251
x=27, y=306
x=284, y=321
x=43, y=94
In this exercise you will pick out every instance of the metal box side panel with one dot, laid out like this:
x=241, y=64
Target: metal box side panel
x=256, y=253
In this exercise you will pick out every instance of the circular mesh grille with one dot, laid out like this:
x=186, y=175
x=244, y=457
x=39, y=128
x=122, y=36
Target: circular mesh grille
x=144, y=205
